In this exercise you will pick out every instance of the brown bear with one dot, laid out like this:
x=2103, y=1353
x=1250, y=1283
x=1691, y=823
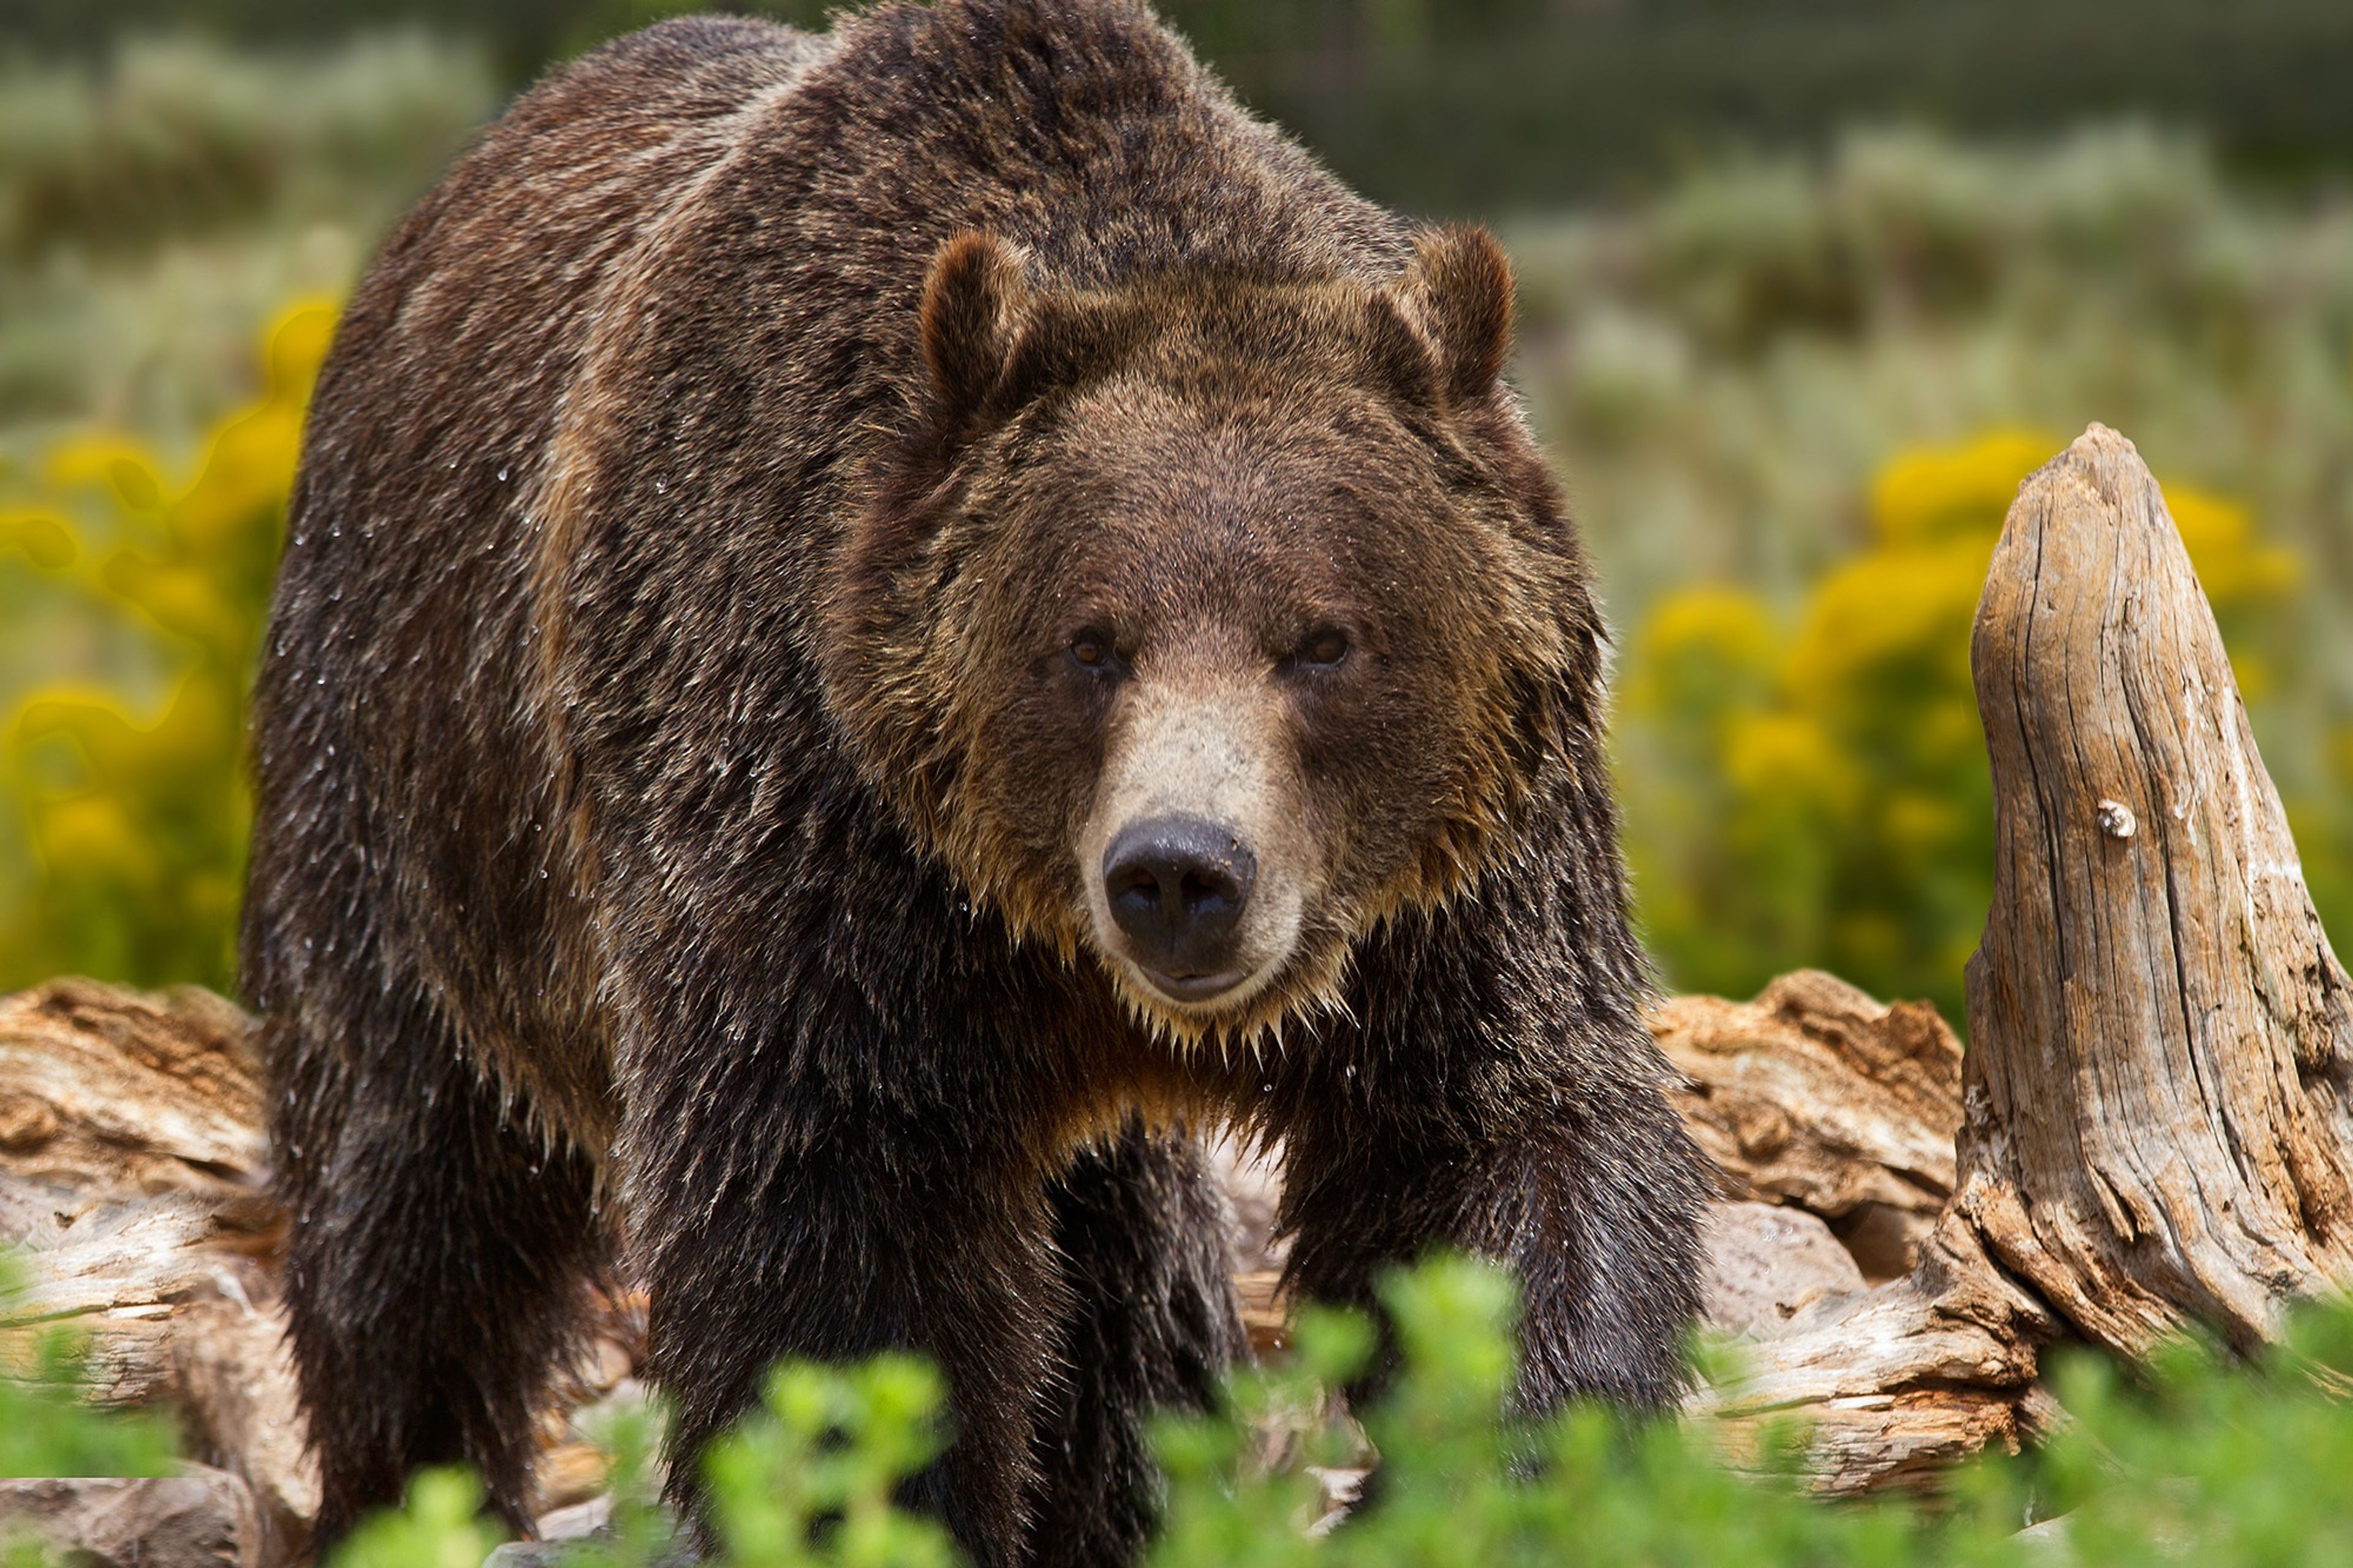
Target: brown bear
x=876, y=629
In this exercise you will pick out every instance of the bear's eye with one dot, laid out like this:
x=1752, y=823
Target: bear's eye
x=1091, y=651
x=1324, y=647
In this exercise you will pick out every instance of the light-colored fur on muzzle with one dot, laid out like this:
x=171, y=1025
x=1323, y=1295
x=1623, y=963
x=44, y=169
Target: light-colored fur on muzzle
x=1216, y=750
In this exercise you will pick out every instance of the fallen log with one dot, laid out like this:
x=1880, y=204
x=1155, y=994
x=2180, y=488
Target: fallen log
x=132, y=1155
x=1815, y=1094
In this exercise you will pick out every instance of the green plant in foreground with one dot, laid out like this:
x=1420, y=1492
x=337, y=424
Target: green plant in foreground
x=2198, y=1457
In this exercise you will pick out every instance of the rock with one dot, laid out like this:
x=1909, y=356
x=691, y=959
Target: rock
x=1766, y=1262
x=578, y=1521
x=202, y=1517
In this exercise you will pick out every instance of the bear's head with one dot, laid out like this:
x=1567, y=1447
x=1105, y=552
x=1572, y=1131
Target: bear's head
x=1208, y=622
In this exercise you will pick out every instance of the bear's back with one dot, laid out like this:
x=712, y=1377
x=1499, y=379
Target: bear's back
x=404, y=785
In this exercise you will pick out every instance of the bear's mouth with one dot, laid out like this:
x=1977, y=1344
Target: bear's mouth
x=1192, y=989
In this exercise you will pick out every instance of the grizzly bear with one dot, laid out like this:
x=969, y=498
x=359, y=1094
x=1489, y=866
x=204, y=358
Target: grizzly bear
x=878, y=630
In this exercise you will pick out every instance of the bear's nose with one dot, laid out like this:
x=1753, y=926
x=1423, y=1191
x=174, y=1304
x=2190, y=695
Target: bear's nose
x=1177, y=886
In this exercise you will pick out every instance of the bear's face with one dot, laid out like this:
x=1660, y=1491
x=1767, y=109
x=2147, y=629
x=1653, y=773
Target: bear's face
x=1219, y=622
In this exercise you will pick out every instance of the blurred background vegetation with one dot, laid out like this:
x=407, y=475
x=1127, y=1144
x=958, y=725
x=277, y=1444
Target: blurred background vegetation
x=1808, y=286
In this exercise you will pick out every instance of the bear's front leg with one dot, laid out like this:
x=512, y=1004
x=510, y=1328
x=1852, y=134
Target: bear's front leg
x=1592, y=1205
x=1151, y=1324
x=1495, y=1091
x=796, y=1221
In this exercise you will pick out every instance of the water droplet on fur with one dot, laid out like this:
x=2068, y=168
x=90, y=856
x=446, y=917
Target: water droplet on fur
x=1351, y=1069
x=661, y=487
x=1266, y=1089
x=503, y=475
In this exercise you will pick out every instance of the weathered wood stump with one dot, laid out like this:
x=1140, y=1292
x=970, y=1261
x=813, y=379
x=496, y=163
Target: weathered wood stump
x=2155, y=1124
x=2157, y=1128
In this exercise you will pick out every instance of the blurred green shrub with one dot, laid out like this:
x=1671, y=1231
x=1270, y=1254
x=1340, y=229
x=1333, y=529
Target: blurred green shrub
x=159, y=203
x=175, y=136
x=1817, y=793
x=2197, y=1456
x=135, y=813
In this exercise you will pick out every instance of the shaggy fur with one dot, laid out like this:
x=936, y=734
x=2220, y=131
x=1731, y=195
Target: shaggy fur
x=670, y=764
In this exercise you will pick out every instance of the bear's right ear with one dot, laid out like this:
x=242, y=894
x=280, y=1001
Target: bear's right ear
x=974, y=302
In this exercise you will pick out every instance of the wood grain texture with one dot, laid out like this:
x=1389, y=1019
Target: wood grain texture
x=132, y=1159
x=1895, y=1383
x=2156, y=1128
x=1818, y=1096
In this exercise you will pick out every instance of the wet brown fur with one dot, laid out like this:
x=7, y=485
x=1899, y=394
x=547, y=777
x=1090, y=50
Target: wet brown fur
x=668, y=769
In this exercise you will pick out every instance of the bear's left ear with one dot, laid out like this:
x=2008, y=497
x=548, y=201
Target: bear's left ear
x=975, y=298
x=1459, y=291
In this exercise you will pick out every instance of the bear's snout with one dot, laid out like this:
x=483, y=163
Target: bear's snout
x=1176, y=886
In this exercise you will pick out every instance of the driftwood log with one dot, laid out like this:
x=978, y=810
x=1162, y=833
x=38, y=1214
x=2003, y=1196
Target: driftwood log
x=2150, y=1126
x=132, y=1159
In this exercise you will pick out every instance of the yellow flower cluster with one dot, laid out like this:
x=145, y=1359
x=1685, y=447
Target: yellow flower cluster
x=1817, y=792
x=137, y=819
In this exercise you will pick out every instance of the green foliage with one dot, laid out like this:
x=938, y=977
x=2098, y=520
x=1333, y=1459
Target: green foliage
x=172, y=138
x=440, y=1524
x=1462, y=1485
x=159, y=207
x=807, y=1482
x=1476, y=105
x=2200, y=1458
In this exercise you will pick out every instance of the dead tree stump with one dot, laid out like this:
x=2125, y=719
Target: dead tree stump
x=2156, y=1127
